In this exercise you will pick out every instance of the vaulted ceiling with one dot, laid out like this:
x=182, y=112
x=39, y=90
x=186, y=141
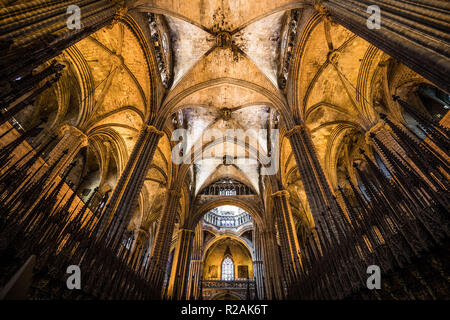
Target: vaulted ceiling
x=225, y=58
x=223, y=65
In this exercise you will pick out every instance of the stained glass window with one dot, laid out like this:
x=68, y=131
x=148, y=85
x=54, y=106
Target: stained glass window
x=227, y=269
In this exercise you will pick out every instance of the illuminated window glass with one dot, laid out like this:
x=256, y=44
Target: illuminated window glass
x=227, y=269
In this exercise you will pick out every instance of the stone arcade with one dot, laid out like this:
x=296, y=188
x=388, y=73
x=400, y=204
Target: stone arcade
x=353, y=119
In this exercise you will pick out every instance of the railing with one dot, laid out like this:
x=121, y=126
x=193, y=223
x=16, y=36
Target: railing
x=227, y=188
x=227, y=221
x=228, y=284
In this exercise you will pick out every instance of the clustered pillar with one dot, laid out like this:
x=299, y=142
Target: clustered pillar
x=290, y=248
x=37, y=31
x=196, y=263
x=274, y=288
x=125, y=196
x=321, y=200
x=72, y=140
x=258, y=265
x=180, y=266
x=163, y=239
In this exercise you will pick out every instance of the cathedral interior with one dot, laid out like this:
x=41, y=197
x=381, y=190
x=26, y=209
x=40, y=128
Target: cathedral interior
x=117, y=152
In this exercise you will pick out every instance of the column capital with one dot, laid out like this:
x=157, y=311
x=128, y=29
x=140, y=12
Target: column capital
x=74, y=132
x=299, y=128
x=153, y=129
x=324, y=12
x=143, y=232
x=185, y=230
x=375, y=130
x=121, y=12
x=281, y=193
x=119, y=2
x=174, y=193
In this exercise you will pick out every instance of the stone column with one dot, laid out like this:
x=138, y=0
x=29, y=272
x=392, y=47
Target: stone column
x=258, y=265
x=290, y=248
x=414, y=33
x=379, y=131
x=160, y=252
x=141, y=241
x=180, y=266
x=37, y=31
x=195, y=277
x=273, y=271
x=317, y=188
x=71, y=139
x=125, y=196
x=195, y=269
